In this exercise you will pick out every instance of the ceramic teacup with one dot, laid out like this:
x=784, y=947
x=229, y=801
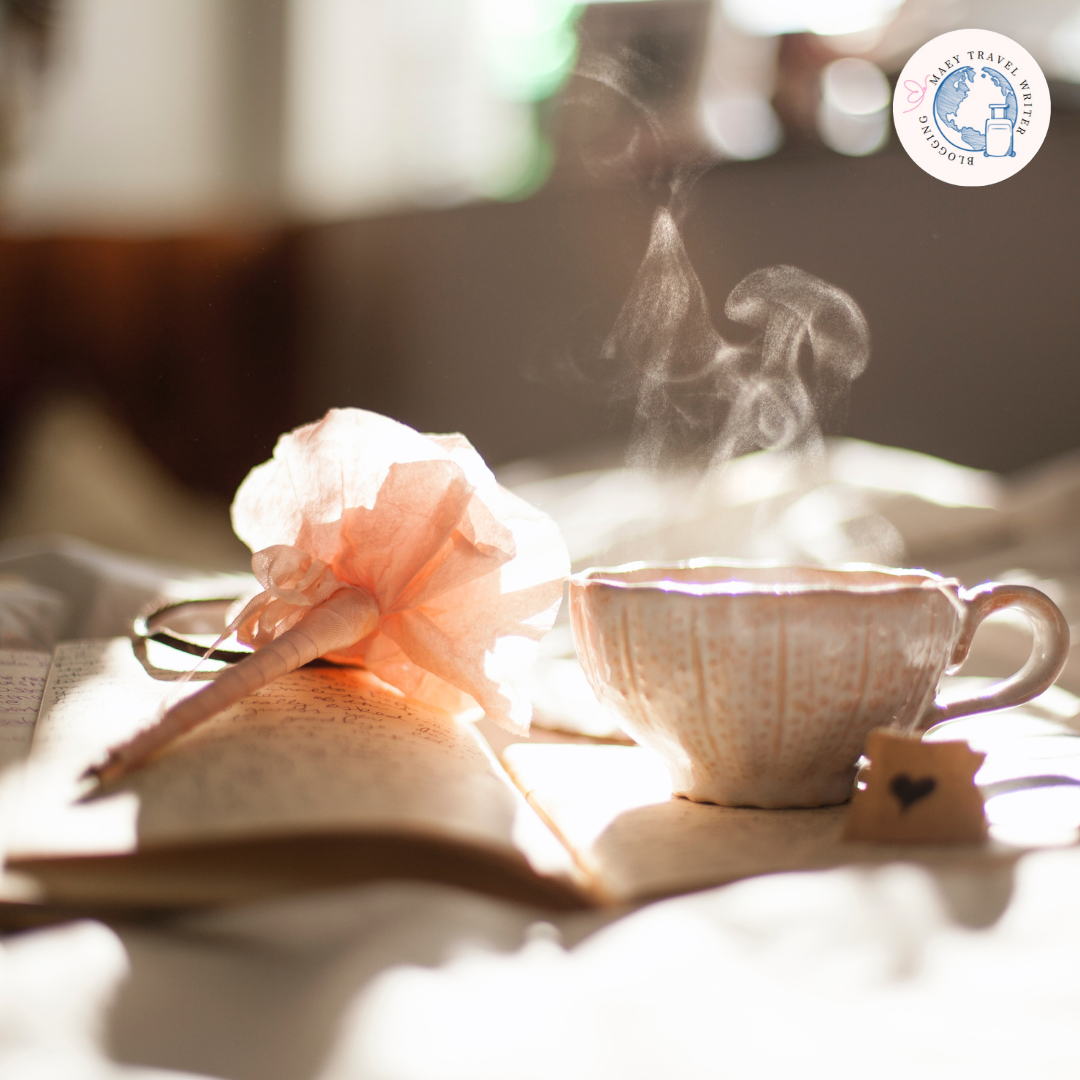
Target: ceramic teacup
x=759, y=684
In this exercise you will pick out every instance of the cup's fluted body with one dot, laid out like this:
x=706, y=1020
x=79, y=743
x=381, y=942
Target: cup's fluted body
x=758, y=686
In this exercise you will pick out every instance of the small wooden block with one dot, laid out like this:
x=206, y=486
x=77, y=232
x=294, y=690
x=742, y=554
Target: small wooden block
x=917, y=792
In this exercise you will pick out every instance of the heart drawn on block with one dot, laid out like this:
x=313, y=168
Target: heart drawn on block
x=907, y=792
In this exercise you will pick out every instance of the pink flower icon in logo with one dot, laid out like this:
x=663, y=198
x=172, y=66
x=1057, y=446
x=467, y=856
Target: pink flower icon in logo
x=915, y=93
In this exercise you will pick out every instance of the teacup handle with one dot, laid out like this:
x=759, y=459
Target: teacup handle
x=1049, y=650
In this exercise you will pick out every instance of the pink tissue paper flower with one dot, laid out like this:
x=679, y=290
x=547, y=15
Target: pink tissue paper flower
x=466, y=576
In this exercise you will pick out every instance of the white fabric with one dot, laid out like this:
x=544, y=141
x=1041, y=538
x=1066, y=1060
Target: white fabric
x=795, y=975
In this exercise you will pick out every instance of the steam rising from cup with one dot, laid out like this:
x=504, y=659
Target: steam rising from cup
x=700, y=399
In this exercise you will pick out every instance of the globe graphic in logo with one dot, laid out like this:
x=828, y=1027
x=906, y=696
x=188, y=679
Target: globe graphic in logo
x=977, y=111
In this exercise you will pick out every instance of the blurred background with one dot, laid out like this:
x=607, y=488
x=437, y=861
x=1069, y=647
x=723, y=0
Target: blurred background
x=222, y=217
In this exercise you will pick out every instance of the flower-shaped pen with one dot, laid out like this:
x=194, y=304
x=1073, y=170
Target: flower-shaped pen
x=384, y=548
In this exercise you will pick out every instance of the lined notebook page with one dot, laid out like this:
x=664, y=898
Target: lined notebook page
x=321, y=750
x=22, y=680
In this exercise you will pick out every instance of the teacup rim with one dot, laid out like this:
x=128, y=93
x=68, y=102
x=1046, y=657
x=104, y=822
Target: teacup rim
x=607, y=576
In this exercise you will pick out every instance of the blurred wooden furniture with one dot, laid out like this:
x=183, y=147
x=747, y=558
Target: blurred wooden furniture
x=190, y=342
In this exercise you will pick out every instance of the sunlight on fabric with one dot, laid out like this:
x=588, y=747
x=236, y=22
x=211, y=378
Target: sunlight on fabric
x=1045, y=816
x=779, y=976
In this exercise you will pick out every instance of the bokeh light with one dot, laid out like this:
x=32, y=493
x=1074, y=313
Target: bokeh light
x=829, y=17
x=853, y=117
x=742, y=127
x=1065, y=46
x=529, y=45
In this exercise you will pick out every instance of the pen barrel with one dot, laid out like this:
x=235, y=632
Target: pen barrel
x=337, y=623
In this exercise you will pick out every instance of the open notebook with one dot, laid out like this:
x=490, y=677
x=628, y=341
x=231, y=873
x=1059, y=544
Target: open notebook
x=329, y=777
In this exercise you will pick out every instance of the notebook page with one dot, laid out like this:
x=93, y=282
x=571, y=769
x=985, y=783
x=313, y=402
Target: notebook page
x=612, y=806
x=22, y=680
x=320, y=750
